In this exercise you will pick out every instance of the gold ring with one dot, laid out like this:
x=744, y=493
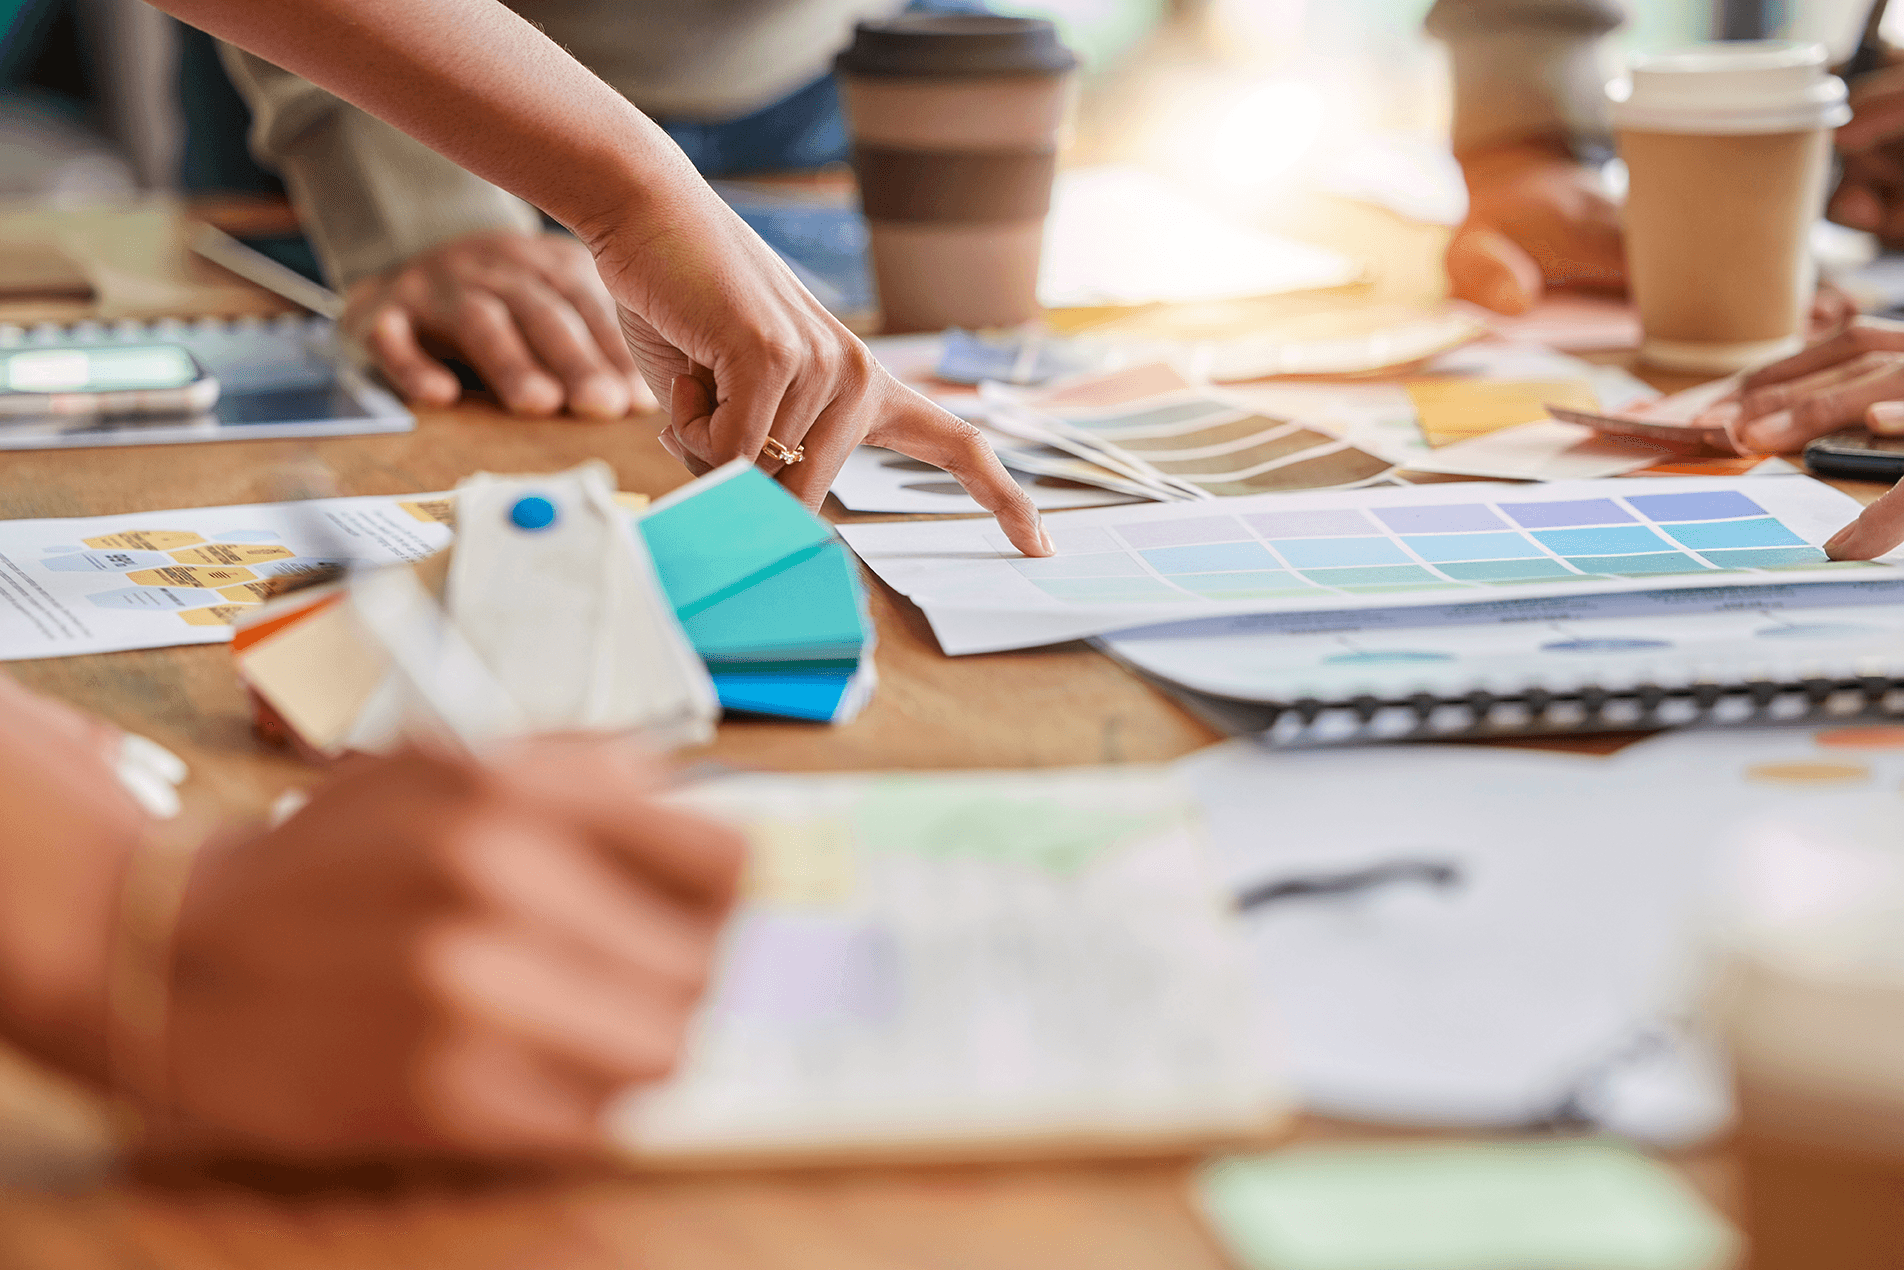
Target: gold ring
x=774, y=449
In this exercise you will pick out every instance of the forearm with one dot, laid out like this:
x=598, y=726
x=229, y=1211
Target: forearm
x=69, y=832
x=479, y=85
x=369, y=197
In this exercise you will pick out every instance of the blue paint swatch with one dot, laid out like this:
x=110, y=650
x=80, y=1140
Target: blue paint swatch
x=1178, y=533
x=1761, y=531
x=1249, y=581
x=1105, y=565
x=1211, y=558
x=1612, y=540
x=1698, y=505
x=1579, y=511
x=1507, y=570
x=1453, y=518
x=1325, y=523
x=1392, y=575
x=1766, y=557
x=1502, y=546
x=1330, y=552
x=1663, y=562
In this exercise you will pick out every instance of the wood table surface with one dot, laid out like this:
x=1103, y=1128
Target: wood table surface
x=1042, y=708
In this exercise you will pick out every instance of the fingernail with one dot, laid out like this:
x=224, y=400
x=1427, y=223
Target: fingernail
x=1835, y=544
x=1044, y=537
x=1770, y=434
x=1886, y=416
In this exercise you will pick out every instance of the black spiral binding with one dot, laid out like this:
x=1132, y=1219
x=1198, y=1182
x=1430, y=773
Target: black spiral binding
x=1309, y=723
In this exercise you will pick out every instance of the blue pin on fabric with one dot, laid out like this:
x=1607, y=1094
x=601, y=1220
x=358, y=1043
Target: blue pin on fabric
x=532, y=513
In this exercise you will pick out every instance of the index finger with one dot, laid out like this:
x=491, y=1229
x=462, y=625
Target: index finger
x=1842, y=347
x=915, y=427
x=1877, y=530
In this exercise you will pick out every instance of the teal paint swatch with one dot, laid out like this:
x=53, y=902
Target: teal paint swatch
x=1662, y=562
x=1766, y=557
x=1249, y=580
x=1473, y=547
x=1612, y=540
x=1393, y=575
x=723, y=537
x=1305, y=553
x=1506, y=570
x=1760, y=532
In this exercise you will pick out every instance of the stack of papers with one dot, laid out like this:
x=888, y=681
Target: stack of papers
x=769, y=597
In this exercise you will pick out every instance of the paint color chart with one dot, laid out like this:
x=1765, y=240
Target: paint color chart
x=1457, y=543
x=1448, y=546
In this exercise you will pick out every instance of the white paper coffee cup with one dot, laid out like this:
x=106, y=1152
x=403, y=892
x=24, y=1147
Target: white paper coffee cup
x=1727, y=147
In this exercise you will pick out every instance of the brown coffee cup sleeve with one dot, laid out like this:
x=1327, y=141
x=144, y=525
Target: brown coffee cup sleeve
x=953, y=186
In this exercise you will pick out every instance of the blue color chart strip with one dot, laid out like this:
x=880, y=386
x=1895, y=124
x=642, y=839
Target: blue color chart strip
x=1455, y=546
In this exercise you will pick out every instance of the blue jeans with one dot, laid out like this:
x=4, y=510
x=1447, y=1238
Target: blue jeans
x=804, y=129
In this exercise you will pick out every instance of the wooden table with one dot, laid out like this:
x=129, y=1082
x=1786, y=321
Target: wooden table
x=1041, y=708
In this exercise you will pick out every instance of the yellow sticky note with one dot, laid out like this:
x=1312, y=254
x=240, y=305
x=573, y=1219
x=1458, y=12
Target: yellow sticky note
x=1455, y=409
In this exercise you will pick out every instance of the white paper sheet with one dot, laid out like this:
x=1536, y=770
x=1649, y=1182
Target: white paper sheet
x=1358, y=550
x=1539, y=982
x=99, y=584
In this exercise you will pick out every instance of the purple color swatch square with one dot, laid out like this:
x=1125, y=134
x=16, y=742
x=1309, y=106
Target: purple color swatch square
x=1323, y=523
x=1183, y=533
x=1577, y=511
x=1447, y=518
x=1718, y=504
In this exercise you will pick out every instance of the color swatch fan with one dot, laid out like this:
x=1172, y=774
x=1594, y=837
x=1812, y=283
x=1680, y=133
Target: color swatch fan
x=768, y=595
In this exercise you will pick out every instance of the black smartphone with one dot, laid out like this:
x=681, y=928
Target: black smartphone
x=1856, y=455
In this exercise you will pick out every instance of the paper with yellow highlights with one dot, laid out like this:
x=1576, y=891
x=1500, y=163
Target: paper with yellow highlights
x=153, y=579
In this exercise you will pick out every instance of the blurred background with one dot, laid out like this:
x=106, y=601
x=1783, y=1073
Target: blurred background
x=105, y=99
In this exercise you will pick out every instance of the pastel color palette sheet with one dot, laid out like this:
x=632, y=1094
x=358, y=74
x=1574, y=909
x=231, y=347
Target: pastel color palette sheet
x=1457, y=544
x=1350, y=550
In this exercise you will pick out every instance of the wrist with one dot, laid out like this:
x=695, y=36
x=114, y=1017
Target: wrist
x=55, y=975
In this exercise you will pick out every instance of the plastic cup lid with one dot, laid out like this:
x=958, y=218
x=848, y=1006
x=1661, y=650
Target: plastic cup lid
x=955, y=45
x=1741, y=86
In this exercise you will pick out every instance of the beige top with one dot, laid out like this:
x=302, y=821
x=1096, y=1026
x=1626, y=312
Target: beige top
x=370, y=197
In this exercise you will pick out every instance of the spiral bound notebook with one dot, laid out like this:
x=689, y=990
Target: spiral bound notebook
x=279, y=377
x=1756, y=654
